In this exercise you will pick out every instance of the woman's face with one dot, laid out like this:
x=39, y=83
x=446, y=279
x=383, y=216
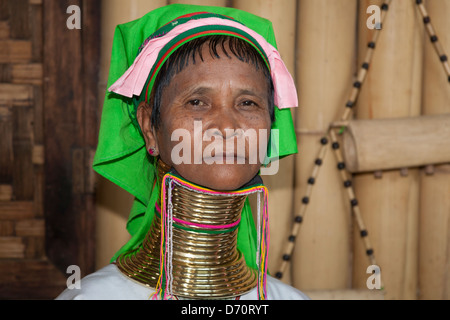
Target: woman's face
x=214, y=115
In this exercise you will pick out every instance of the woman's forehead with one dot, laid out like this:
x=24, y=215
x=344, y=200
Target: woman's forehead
x=222, y=73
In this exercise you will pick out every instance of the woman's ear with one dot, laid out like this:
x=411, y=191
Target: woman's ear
x=144, y=118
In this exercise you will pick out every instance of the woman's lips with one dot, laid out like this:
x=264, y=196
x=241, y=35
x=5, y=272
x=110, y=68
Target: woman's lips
x=226, y=158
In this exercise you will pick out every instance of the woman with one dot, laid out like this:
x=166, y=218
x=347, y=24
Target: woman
x=187, y=127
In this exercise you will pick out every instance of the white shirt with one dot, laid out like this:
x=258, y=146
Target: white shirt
x=109, y=283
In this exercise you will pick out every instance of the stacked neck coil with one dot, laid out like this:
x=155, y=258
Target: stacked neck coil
x=205, y=261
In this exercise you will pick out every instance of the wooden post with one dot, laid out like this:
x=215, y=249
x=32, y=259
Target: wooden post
x=71, y=59
x=434, y=243
x=389, y=205
x=281, y=185
x=324, y=65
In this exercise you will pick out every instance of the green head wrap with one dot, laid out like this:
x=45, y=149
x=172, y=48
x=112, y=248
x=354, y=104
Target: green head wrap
x=121, y=155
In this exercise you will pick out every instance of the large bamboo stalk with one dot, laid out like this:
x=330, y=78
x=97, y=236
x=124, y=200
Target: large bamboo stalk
x=434, y=245
x=325, y=47
x=389, y=205
x=281, y=185
x=113, y=203
x=383, y=144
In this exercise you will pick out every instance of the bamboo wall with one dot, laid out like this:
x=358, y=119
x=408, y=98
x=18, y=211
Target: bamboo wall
x=25, y=271
x=405, y=210
x=22, y=228
x=389, y=201
x=434, y=205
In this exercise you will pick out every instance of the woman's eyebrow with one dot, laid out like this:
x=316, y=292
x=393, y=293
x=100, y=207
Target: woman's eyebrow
x=199, y=90
x=248, y=92
x=203, y=90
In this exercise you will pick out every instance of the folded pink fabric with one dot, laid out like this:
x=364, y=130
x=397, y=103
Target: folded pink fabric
x=133, y=80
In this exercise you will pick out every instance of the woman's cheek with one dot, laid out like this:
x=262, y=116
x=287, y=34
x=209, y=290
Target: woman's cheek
x=175, y=144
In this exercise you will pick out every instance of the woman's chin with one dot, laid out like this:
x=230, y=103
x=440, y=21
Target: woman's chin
x=224, y=177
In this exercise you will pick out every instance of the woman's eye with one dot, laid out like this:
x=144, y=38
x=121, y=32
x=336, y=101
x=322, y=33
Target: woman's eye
x=197, y=105
x=195, y=102
x=248, y=103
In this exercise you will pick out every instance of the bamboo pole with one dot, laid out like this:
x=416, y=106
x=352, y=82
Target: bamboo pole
x=389, y=202
x=383, y=144
x=324, y=72
x=434, y=245
x=280, y=186
x=345, y=294
x=113, y=204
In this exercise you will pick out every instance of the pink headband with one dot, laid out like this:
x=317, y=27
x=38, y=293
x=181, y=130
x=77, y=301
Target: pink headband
x=133, y=80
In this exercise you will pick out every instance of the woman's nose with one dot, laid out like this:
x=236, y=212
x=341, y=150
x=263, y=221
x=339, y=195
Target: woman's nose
x=226, y=121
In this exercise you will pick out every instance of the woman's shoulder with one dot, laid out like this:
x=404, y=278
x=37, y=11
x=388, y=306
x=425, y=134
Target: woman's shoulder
x=107, y=283
x=277, y=290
